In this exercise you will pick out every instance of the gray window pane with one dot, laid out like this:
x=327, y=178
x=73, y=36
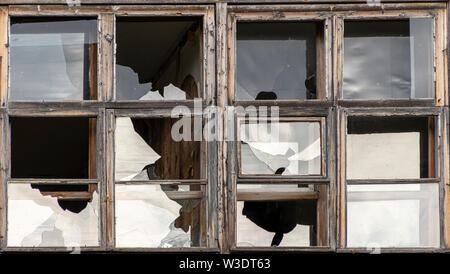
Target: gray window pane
x=290, y=148
x=276, y=60
x=388, y=59
x=393, y=215
x=50, y=59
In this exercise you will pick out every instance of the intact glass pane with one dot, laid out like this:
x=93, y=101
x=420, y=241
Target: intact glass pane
x=277, y=60
x=285, y=148
x=53, y=59
x=393, y=215
x=388, y=59
x=390, y=147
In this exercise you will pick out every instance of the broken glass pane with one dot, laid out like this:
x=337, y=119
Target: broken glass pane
x=276, y=223
x=277, y=60
x=291, y=148
x=52, y=59
x=153, y=216
x=158, y=59
x=37, y=219
x=145, y=150
x=404, y=215
x=388, y=59
x=389, y=148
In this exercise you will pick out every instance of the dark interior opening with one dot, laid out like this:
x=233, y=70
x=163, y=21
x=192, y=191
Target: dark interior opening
x=51, y=148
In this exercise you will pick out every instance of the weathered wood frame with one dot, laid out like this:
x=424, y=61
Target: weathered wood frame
x=441, y=116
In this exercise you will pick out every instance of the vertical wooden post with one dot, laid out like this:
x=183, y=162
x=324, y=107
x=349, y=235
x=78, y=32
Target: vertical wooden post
x=3, y=55
x=107, y=56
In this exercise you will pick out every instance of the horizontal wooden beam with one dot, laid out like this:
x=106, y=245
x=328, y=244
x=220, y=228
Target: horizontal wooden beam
x=276, y=196
x=54, y=181
x=282, y=180
x=392, y=181
x=164, y=182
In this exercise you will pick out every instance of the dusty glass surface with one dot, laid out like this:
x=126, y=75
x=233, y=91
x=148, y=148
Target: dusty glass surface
x=389, y=148
x=388, y=59
x=145, y=150
x=276, y=60
x=51, y=59
x=158, y=59
x=150, y=216
x=38, y=220
x=393, y=215
x=285, y=148
x=276, y=223
x=271, y=188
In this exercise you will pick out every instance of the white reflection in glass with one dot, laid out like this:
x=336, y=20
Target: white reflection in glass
x=35, y=220
x=51, y=60
x=292, y=148
x=388, y=59
x=393, y=215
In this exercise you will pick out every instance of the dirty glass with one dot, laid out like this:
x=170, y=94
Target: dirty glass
x=390, y=148
x=158, y=59
x=38, y=219
x=52, y=59
x=285, y=148
x=276, y=223
x=388, y=59
x=51, y=147
x=276, y=60
x=153, y=216
x=405, y=215
x=145, y=150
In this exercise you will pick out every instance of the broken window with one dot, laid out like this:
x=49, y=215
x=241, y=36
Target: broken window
x=158, y=58
x=279, y=61
x=45, y=218
x=390, y=147
x=393, y=215
x=281, y=148
x=153, y=215
x=145, y=150
x=53, y=147
x=279, y=215
x=53, y=59
x=388, y=59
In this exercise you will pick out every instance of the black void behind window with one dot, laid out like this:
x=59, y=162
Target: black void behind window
x=279, y=61
x=53, y=59
x=390, y=147
x=388, y=59
x=158, y=58
x=50, y=148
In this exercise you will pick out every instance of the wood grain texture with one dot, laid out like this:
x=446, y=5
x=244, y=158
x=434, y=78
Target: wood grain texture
x=4, y=22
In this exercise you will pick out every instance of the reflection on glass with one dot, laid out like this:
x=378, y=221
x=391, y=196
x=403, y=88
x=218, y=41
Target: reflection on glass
x=389, y=148
x=158, y=59
x=36, y=219
x=52, y=59
x=152, y=216
x=276, y=223
x=393, y=215
x=276, y=60
x=388, y=59
x=290, y=148
x=145, y=150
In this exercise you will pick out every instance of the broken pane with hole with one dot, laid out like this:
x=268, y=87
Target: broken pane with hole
x=158, y=58
x=402, y=215
x=53, y=59
x=388, y=59
x=52, y=216
x=53, y=147
x=159, y=215
x=279, y=61
x=276, y=223
x=285, y=148
x=390, y=147
x=145, y=150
